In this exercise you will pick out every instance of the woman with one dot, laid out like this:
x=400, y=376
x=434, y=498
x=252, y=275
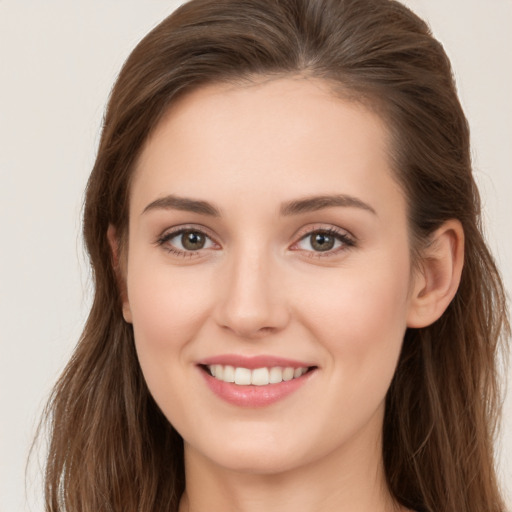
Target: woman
x=294, y=305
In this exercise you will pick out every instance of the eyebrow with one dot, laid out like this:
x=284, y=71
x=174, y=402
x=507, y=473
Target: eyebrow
x=172, y=202
x=315, y=203
x=295, y=207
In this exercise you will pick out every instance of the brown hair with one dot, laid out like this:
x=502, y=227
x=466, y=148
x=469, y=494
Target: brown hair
x=111, y=448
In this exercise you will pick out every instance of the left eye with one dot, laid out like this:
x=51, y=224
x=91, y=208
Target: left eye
x=188, y=240
x=323, y=241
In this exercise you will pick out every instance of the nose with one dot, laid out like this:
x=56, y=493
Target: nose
x=253, y=299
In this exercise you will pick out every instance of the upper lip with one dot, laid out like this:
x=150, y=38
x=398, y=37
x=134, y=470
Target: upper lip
x=253, y=362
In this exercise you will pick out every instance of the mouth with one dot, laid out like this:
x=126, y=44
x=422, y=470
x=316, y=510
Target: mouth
x=255, y=382
x=263, y=376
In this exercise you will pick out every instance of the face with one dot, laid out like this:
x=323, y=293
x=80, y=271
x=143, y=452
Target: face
x=268, y=245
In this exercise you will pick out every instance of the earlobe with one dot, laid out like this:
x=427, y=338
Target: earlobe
x=113, y=241
x=437, y=280
x=127, y=312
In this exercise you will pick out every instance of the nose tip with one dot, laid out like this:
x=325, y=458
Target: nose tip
x=248, y=328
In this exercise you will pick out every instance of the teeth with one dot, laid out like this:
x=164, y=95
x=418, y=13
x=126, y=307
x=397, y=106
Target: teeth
x=260, y=377
x=276, y=375
x=217, y=371
x=229, y=374
x=242, y=376
x=256, y=377
x=288, y=373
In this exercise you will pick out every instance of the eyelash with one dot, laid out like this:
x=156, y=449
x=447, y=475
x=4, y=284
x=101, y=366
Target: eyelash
x=166, y=237
x=347, y=241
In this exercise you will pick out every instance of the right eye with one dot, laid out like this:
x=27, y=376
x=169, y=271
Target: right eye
x=185, y=242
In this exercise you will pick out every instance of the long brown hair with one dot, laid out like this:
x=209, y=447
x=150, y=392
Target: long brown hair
x=111, y=448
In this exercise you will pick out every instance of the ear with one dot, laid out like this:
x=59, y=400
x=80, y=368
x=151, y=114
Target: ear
x=438, y=277
x=120, y=271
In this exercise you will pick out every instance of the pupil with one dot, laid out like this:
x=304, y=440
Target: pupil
x=192, y=240
x=322, y=242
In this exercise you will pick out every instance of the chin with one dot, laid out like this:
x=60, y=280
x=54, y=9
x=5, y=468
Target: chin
x=258, y=462
x=257, y=456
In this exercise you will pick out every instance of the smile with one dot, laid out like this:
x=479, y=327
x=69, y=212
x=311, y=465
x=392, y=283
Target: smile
x=255, y=377
x=255, y=381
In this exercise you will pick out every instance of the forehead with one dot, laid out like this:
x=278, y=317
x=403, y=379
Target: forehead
x=278, y=137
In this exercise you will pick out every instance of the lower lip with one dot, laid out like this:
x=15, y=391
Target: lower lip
x=254, y=396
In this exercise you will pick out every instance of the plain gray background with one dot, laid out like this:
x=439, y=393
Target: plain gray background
x=58, y=61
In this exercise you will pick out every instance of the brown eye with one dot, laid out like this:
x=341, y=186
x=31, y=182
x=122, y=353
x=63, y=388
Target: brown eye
x=322, y=241
x=186, y=242
x=325, y=242
x=193, y=240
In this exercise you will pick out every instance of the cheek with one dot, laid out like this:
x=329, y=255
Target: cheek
x=359, y=301
x=167, y=308
x=360, y=318
x=361, y=325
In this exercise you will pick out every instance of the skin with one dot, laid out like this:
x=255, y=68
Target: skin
x=259, y=287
